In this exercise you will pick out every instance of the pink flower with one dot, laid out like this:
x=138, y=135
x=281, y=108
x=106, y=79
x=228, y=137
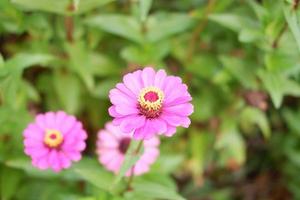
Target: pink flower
x=112, y=145
x=149, y=103
x=54, y=140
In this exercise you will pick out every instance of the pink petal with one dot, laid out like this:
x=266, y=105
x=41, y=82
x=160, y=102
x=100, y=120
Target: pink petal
x=53, y=161
x=148, y=75
x=133, y=82
x=126, y=110
x=50, y=120
x=64, y=160
x=181, y=109
x=112, y=112
x=160, y=78
x=118, y=98
x=41, y=121
x=60, y=118
x=125, y=90
x=175, y=120
x=132, y=122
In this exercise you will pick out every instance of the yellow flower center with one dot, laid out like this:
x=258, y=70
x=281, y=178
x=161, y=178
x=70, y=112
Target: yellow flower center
x=53, y=138
x=150, y=101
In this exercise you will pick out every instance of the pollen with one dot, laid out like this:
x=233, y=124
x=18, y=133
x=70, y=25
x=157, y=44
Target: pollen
x=150, y=102
x=53, y=138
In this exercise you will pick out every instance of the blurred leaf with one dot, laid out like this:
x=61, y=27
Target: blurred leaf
x=144, y=189
x=24, y=164
x=200, y=145
x=291, y=18
x=240, y=71
x=121, y=25
x=102, y=89
x=63, y=7
x=279, y=86
x=250, y=116
x=145, y=6
x=233, y=21
x=10, y=179
x=168, y=163
x=230, y=144
x=68, y=91
x=91, y=171
x=163, y=25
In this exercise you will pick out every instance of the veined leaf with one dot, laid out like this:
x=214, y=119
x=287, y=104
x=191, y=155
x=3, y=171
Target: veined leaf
x=294, y=25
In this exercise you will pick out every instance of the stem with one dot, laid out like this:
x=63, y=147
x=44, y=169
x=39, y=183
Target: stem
x=69, y=23
x=284, y=28
x=138, y=149
x=69, y=27
x=196, y=34
x=275, y=42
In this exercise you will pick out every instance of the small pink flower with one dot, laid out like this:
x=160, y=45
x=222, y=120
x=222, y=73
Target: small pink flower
x=149, y=103
x=112, y=145
x=54, y=140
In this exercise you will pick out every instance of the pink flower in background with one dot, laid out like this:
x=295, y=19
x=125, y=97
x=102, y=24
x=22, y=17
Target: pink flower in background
x=149, y=103
x=112, y=145
x=54, y=140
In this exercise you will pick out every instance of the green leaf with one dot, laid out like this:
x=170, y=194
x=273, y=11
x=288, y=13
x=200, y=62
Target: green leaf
x=10, y=179
x=240, y=71
x=230, y=143
x=294, y=25
x=232, y=21
x=63, y=7
x=121, y=25
x=278, y=86
x=145, y=6
x=163, y=25
x=24, y=164
x=131, y=158
x=68, y=91
x=146, y=189
x=91, y=171
x=200, y=145
x=250, y=116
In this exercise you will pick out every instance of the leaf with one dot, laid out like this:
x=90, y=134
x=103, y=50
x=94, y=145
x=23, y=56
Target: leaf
x=232, y=21
x=91, y=171
x=145, y=6
x=68, y=91
x=278, y=86
x=121, y=25
x=63, y=7
x=250, y=116
x=230, y=144
x=294, y=25
x=24, y=164
x=163, y=25
x=200, y=145
x=131, y=158
x=10, y=179
x=145, y=189
x=240, y=71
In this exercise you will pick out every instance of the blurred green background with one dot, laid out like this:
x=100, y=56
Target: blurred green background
x=240, y=59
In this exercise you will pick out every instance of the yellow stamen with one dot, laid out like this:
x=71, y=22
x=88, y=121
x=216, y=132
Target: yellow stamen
x=53, y=138
x=151, y=105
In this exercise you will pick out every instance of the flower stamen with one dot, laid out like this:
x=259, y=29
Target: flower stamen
x=53, y=138
x=150, y=102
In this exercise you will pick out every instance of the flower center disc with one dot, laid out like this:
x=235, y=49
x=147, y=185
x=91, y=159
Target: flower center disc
x=150, y=102
x=53, y=138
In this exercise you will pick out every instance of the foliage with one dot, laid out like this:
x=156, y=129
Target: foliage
x=240, y=59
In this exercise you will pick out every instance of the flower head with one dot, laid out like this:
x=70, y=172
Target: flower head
x=54, y=140
x=112, y=145
x=149, y=103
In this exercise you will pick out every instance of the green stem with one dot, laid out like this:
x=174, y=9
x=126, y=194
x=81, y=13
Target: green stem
x=136, y=152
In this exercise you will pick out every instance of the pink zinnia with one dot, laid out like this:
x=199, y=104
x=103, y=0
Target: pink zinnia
x=112, y=145
x=54, y=140
x=149, y=103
